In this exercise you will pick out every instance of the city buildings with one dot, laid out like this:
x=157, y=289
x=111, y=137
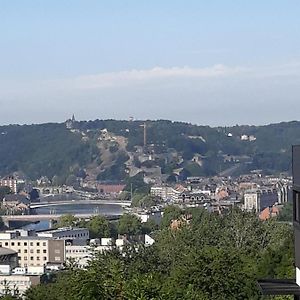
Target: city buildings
x=258, y=199
x=33, y=250
x=14, y=279
x=10, y=182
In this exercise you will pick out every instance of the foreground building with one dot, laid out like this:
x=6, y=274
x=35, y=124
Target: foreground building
x=14, y=279
x=34, y=250
x=289, y=286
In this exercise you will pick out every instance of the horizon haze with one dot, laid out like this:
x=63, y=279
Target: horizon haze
x=208, y=63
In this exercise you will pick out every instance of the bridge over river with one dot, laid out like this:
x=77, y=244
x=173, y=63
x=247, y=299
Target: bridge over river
x=81, y=202
x=34, y=218
x=52, y=215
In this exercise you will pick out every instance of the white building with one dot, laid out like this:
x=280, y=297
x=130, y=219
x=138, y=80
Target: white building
x=14, y=279
x=34, y=250
x=10, y=182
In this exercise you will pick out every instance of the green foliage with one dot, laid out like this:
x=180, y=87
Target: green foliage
x=46, y=149
x=51, y=149
x=98, y=227
x=286, y=214
x=4, y=190
x=213, y=257
x=143, y=200
x=129, y=224
x=67, y=220
x=171, y=212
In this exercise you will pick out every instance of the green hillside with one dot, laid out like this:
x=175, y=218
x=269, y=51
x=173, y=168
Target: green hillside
x=52, y=149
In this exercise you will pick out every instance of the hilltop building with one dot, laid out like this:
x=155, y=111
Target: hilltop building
x=70, y=122
x=10, y=182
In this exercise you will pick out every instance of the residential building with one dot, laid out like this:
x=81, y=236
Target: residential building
x=34, y=250
x=12, y=278
x=10, y=182
x=258, y=199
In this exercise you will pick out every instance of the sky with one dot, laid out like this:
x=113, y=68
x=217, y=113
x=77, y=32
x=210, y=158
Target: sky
x=211, y=62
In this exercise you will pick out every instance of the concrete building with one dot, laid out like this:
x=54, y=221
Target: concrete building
x=258, y=199
x=13, y=279
x=78, y=236
x=34, y=250
x=289, y=286
x=10, y=182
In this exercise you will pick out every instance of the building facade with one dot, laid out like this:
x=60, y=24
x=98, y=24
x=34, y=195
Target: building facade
x=34, y=250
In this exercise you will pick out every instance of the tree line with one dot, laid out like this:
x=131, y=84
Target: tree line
x=206, y=256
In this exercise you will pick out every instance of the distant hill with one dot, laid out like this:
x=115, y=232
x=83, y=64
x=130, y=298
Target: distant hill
x=108, y=149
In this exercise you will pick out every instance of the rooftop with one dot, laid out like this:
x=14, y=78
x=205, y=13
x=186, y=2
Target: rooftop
x=279, y=287
x=6, y=251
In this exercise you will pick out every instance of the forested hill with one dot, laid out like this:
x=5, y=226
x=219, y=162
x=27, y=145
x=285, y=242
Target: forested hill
x=53, y=149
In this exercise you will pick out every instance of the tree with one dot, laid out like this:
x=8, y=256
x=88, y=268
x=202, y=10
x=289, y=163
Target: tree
x=171, y=212
x=98, y=227
x=286, y=214
x=212, y=257
x=4, y=190
x=67, y=220
x=129, y=224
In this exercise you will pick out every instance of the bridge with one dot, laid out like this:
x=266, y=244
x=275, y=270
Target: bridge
x=85, y=202
x=33, y=218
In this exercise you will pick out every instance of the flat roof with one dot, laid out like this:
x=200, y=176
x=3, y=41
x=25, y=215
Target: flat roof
x=6, y=251
x=62, y=229
x=278, y=287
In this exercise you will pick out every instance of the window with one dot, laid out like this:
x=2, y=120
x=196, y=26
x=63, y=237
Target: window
x=0, y=244
x=38, y=244
x=45, y=258
x=6, y=243
x=37, y=258
x=25, y=257
x=19, y=244
x=44, y=243
x=57, y=251
x=19, y=250
x=12, y=243
x=44, y=251
x=31, y=257
x=38, y=251
x=57, y=258
x=25, y=243
x=296, y=198
x=25, y=250
x=31, y=243
x=31, y=250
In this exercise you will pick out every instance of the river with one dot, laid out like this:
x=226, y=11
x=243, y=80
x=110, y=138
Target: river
x=102, y=209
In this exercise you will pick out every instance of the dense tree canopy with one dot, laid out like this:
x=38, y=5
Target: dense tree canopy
x=210, y=257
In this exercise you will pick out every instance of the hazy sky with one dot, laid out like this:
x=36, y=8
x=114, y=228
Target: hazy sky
x=207, y=62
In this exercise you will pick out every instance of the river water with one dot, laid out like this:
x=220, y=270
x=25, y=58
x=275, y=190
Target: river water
x=102, y=209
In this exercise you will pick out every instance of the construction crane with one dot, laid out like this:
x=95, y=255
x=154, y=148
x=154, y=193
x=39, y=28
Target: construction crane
x=145, y=133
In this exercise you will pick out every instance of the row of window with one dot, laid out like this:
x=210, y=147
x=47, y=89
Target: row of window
x=38, y=244
x=75, y=235
x=33, y=258
x=76, y=251
x=32, y=251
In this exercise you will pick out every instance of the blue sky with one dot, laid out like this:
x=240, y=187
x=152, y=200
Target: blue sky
x=206, y=62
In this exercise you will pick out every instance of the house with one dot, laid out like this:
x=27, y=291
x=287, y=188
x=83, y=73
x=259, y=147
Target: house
x=15, y=202
x=269, y=212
